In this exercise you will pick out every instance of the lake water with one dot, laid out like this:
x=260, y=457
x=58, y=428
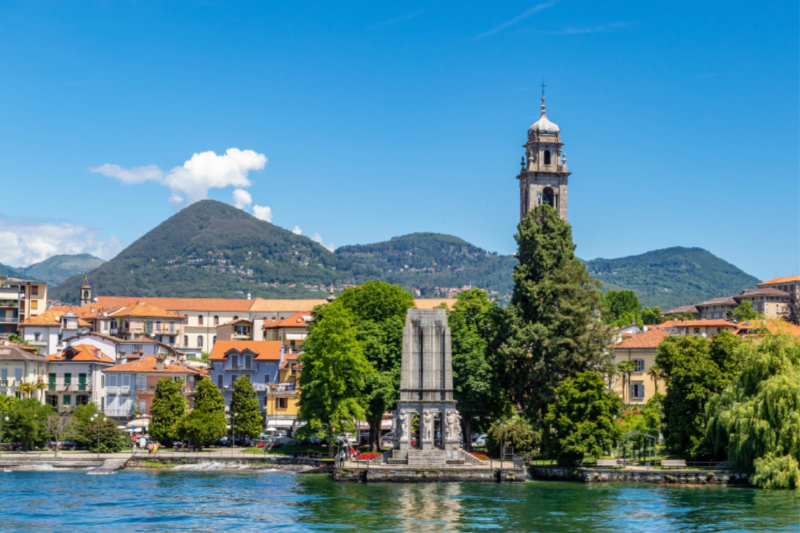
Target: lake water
x=131, y=501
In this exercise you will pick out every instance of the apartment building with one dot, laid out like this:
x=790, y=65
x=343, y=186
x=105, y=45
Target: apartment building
x=20, y=299
x=641, y=349
x=291, y=332
x=21, y=369
x=75, y=377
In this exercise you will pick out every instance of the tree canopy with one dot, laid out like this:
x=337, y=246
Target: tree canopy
x=334, y=375
x=206, y=422
x=168, y=408
x=745, y=311
x=584, y=417
x=756, y=419
x=85, y=430
x=623, y=308
x=245, y=411
x=552, y=328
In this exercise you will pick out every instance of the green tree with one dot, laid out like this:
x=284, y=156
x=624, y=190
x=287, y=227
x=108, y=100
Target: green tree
x=622, y=305
x=651, y=316
x=655, y=374
x=552, y=328
x=513, y=432
x=245, y=411
x=756, y=419
x=206, y=422
x=85, y=430
x=696, y=369
x=334, y=376
x=745, y=311
x=584, y=417
x=26, y=420
x=476, y=385
x=168, y=408
x=379, y=314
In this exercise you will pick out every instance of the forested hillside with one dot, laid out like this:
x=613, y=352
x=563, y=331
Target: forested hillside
x=55, y=270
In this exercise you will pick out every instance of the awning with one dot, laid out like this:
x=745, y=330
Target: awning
x=295, y=336
x=280, y=423
x=386, y=424
x=139, y=422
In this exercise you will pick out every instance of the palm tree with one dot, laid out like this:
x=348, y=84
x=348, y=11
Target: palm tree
x=655, y=374
x=626, y=368
x=26, y=389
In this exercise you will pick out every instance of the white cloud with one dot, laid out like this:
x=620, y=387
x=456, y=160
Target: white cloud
x=241, y=198
x=262, y=212
x=297, y=230
x=25, y=243
x=511, y=22
x=318, y=238
x=130, y=175
x=192, y=181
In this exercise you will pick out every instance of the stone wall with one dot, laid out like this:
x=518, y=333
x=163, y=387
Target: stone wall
x=659, y=477
x=428, y=475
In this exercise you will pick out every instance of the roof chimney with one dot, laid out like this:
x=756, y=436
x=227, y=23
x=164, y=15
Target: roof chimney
x=160, y=362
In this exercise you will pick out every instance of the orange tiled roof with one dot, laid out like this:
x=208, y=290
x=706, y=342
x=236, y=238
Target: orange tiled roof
x=710, y=323
x=145, y=310
x=430, y=303
x=52, y=317
x=80, y=353
x=262, y=305
x=148, y=365
x=648, y=339
x=774, y=326
x=264, y=350
x=294, y=321
x=179, y=304
x=785, y=279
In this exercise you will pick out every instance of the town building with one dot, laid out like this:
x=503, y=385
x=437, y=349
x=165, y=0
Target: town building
x=21, y=368
x=130, y=322
x=704, y=328
x=272, y=374
x=131, y=386
x=767, y=300
x=75, y=377
x=641, y=349
x=787, y=284
x=20, y=299
x=291, y=332
x=49, y=330
x=235, y=330
x=543, y=176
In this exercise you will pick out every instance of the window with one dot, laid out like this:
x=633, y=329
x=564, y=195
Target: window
x=137, y=348
x=158, y=325
x=697, y=331
x=266, y=378
x=143, y=406
x=247, y=362
x=171, y=340
x=639, y=365
x=52, y=400
x=34, y=304
x=233, y=380
x=548, y=197
x=4, y=377
x=281, y=404
x=199, y=341
x=142, y=385
x=547, y=157
x=81, y=399
x=186, y=341
x=17, y=374
x=102, y=380
x=37, y=336
x=214, y=341
x=67, y=379
x=637, y=391
x=35, y=290
x=216, y=320
x=200, y=320
x=66, y=400
x=219, y=382
x=102, y=404
x=234, y=361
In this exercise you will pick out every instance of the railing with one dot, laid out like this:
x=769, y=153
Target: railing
x=113, y=389
x=119, y=412
x=68, y=387
x=38, y=343
x=7, y=320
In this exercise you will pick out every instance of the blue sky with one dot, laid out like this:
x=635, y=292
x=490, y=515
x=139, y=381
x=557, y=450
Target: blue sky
x=680, y=120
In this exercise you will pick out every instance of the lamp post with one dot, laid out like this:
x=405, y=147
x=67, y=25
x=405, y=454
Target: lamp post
x=97, y=418
x=1, y=432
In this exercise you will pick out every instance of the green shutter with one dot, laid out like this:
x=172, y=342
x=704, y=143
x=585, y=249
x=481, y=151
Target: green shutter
x=67, y=399
x=67, y=379
x=51, y=382
x=81, y=381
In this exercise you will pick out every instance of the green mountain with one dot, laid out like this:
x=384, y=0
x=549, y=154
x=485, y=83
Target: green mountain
x=430, y=260
x=57, y=269
x=672, y=277
x=211, y=249
x=11, y=272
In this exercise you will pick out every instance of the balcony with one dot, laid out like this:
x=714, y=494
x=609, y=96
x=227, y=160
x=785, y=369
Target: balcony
x=118, y=389
x=60, y=386
x=9, y=320
x=119, y=412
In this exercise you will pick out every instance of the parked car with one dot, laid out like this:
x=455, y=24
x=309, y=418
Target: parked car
x=388, y=439
x=480, y=440
x=347, y=437
x=65, y=445
x=223, y=442
x=243, y=441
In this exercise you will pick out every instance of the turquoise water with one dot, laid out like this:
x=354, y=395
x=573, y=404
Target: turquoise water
x=132, y=501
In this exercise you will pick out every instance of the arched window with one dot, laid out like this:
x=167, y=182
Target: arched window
x=186, y=341
x=200, y=319
x=547, y=157
x=216, y=320
x=199, y=341
x=547, y=197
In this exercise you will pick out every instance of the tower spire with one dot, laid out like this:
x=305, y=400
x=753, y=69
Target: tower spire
x=543, y=86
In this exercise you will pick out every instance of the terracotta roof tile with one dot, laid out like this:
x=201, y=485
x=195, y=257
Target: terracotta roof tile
x=179, y=304
x=648, y=339
x=80, y=353
x=712, y=323
x=148, y=365
x=297, y=320
x=12, y=352
x=145, y=310
x=262, y=305
x=264, y=350
x=430, y=303
x=785, y=279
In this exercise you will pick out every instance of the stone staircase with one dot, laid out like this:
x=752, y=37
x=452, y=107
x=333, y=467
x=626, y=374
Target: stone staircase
x=434, y=458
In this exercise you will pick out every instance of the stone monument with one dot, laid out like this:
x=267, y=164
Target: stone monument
x=426, y=393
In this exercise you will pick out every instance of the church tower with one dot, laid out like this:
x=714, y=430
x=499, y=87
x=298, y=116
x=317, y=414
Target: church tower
x=543, y=176
x=86, y=291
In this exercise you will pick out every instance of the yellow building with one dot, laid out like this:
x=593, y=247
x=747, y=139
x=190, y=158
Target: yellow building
x=280, y=406
x=641, y=349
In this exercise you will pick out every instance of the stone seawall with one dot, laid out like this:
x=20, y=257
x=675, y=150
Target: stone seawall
x=657, y=477
x=427, y=475
x=306, y=466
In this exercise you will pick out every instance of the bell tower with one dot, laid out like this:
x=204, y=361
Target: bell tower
x=86, y=291
x=543, y=177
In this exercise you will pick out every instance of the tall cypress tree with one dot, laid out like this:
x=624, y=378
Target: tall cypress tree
x=245, y=410
x=552, y=330
x=206, y=423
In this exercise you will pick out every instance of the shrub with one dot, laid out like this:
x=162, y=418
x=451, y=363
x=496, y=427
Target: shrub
x=515, y=432
x=367, y=456
x=481, y=456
